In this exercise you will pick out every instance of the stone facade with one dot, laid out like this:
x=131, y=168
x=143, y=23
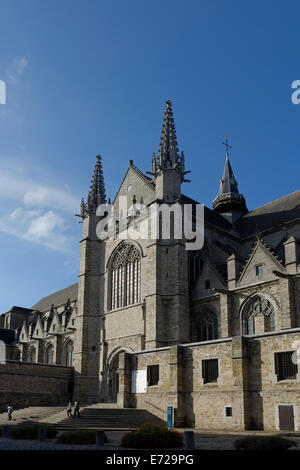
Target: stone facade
x=211, y=332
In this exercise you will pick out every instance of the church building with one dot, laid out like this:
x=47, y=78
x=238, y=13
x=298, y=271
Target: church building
x=213, y=332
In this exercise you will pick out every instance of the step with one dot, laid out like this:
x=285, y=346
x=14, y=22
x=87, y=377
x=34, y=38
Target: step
x=97, y=416
x=110, y=418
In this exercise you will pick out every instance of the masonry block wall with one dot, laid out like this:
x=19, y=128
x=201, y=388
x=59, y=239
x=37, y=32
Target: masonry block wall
x=246, y=394
x=266, y=392
x=25, y=385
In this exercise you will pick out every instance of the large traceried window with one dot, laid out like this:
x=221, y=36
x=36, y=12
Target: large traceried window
x=258, y=307
x=125, y=273
x=205, y=327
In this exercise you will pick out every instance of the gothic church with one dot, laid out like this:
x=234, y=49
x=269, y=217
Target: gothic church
x=214, y=332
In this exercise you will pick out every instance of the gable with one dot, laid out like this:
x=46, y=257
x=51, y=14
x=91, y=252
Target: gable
x=55, y=326
x=39, y=329
x=261, y=256
x=70, y=321
x=208, y=273
x=23, y=333
x=135, y=184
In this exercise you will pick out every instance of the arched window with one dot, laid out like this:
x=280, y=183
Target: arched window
x=31, y=356
x=17, y=355
x=125, y=274
x=49, y=354
x=205, y=327
x=258, y=307
x=68, y=353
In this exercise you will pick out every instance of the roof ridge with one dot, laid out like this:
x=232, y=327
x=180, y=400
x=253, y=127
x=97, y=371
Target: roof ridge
x=271, y=202
x=146, y=178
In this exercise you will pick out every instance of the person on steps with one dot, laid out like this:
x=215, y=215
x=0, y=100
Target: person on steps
x=69, y=410
x=9, y=412
x=76, y=409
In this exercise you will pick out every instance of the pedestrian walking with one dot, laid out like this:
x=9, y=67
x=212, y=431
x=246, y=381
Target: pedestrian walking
x=69, y=410
x=76, y=409
x=9, y=412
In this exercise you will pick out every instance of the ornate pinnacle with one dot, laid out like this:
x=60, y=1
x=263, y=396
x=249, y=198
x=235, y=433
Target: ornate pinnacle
x=96, y=194
x=168, y=149
x=168, y=155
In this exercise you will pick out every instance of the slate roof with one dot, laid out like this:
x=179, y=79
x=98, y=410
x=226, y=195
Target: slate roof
x=17, y=309
x=210, y=216
x=57, y=298
x=270, y=215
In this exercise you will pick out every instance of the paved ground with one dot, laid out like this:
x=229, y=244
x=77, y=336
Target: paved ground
x=203, y=441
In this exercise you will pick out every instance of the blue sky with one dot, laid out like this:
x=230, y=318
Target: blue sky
x=88, y=77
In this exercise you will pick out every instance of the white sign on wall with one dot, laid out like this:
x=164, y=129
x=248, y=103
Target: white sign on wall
x=139, y=381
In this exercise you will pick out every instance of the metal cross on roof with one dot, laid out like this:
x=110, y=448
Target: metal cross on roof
x=227, y=145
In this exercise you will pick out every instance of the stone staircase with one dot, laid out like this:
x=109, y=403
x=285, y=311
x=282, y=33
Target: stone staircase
x=109, y=418
x=106, y=416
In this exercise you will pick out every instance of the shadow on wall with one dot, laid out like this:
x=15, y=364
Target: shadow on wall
x=188, y=389
x=255, y=405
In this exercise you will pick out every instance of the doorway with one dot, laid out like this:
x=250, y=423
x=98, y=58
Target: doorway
x=113, y=380
x=286, y=417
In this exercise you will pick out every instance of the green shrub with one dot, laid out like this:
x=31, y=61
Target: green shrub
x=263, y=443
x=31, y=432
x=79, y=437
x=150, y=436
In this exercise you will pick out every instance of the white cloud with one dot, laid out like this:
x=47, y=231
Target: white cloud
x=45, y=228
x=17, y=187
x=17, y=68
x=36, y=212
x=20, y=64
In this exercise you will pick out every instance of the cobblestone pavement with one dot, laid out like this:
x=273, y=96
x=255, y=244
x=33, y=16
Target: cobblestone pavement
x=203, y=441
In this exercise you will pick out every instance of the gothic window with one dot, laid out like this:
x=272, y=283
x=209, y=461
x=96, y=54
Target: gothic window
x=258, y=307
x=17, y=355
x=125, y=274
x=31, y=357
x=205, y=327
x=68, y=353
x=49, y=354
x=194, y=267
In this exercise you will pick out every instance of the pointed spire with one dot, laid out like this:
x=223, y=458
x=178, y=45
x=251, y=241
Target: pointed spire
x=228, y=183
x=229, y=202
x=97, y=194
x=168, y=150
x=168, y=155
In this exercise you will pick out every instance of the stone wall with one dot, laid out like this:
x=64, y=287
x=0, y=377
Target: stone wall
x=246, y=383
x=157, y=398
x=25, y=385
x=265, y=390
